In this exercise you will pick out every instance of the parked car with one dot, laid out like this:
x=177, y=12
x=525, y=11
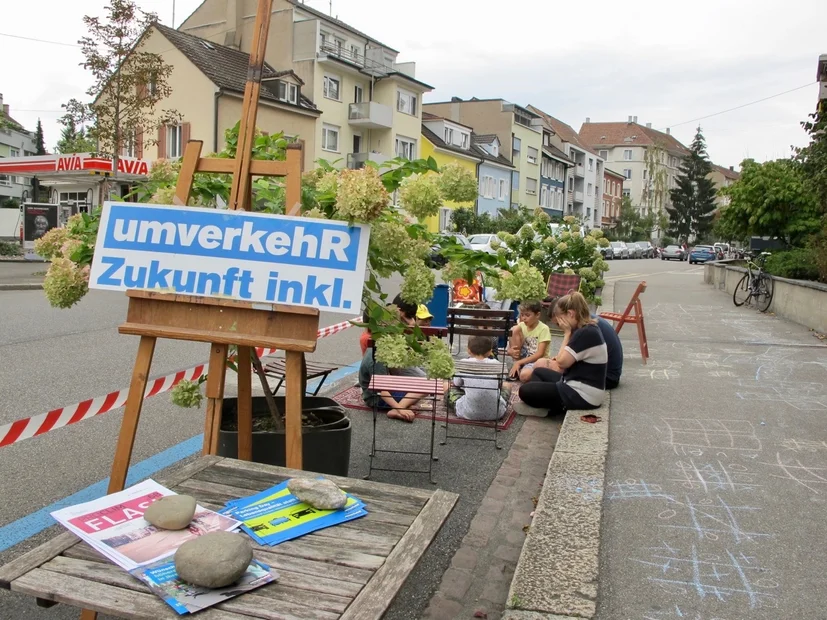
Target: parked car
x=483, y=243
x=634, y=250
x=704, y=253
x=437, y=259
x=672, y=252
x=722, y=249
x=619, y=249
x=647, y=248
x=607, y=252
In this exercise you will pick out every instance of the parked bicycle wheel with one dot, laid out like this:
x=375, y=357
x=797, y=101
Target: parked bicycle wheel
x=763, y=292
x=742, y=292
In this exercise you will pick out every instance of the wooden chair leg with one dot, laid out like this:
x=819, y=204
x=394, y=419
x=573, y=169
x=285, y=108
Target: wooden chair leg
x=245, y=405
x=294, y=367
x=215, y=397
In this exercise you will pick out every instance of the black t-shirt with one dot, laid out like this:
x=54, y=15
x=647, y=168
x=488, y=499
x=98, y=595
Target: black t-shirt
x=585, y=380
x=614, y=367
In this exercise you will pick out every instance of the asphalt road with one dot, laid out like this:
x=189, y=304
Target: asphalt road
x=716, y=483
x=51, y=358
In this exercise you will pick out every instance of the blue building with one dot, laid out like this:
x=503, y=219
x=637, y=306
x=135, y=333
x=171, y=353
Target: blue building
x=494, y=175
x=553, y=174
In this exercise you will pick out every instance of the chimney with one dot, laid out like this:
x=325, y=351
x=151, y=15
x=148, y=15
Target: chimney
x=634, y=117
x=648, y=125
x=630, y=120
x=732, y=168
x=6, y=109
x=668, y=131
x=588, y=120
x=455, y=99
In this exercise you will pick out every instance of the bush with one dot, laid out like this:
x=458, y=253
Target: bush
x=818, y=244
x=9, y=203
x=796, y=264
x=10, y=249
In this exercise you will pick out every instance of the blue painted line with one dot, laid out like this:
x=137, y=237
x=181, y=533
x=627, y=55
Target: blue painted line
x=35, y=522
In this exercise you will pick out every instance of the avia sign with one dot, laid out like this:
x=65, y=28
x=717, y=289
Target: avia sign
x=74, y=163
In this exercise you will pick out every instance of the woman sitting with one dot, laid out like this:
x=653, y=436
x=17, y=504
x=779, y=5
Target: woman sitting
x=576, y=378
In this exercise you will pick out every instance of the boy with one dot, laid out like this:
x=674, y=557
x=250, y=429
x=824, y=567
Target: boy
x=481, y=399
x=530, y=341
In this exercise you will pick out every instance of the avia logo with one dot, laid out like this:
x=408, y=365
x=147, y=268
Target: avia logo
x=69, y=163
x=133, y=166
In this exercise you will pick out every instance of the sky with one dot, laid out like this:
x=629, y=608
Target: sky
x=668, y=63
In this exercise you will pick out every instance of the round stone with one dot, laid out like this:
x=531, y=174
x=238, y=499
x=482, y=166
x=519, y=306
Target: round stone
x=214, y=560
x=173, y=512
x=319, y=493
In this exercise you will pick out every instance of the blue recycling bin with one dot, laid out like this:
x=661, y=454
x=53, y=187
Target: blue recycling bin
x=438, y=306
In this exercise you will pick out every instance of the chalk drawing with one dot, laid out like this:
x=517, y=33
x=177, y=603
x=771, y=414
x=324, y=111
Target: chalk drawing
x=713, y=476
x=803, y=445
x=712, y=519
x=706, y=433
x=664, y=374
x=722, y=373
x=635, y=489
x=676, y=613
x=812, y=478
x=724, y=578
x=801, y=395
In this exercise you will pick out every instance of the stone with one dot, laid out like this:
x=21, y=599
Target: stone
x=319, y=493
x=173, y=512
x=214, y=560
x=520, y=408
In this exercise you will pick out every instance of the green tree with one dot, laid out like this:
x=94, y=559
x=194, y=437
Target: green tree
x=128, y=82
x=465, y=221
x=40, y=145
x=73, y=140
x=629, y=220
x=655, y=183
x=693, y=200
x=771, y=199
x=813, y=157
x=512, y=220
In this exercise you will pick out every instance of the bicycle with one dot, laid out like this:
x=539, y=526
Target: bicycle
x=755, y=284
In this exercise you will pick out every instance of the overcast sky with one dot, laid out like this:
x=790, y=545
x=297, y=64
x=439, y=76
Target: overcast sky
x=665, y=62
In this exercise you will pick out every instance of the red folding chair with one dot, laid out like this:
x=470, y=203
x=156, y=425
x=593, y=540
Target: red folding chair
x=560, y=284
x=628, y=317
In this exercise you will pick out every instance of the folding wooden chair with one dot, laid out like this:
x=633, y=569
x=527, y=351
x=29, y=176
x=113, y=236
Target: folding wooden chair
x=636, y=319
x=431, y=389
x=315, y=370
x=494, y=324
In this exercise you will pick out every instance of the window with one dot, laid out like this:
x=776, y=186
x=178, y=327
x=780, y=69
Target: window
x=174, y=141
x=463, y=140
x=325, y=37
x=546, y=139
x=522, y=119
x=129, y=145
x=617, y=191
x=627, y=193
x=532, y=155
x=604, y=154
x=405, y=147
x=644, y=174
x=330, y=138
x=627, y=172
x=488, y=187
x=543, y=196
x=406, y=102
x=530, y=186
x=503, y=190
x=495, y=149
x=331, y=87
x=627, y=154
x=591, y=164
x=449, y=135
x=516, y=144
x=515, y=180
x=589, y=189
x=14, y=152
x=356, y=52
x=288, y=92
x=613, y=189
x=358, y=94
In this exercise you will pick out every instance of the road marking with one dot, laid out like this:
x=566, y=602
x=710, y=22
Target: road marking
x=624, y=276
x=33, y=523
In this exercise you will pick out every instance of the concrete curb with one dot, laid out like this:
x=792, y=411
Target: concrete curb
x=23, y=286
x=556, y=575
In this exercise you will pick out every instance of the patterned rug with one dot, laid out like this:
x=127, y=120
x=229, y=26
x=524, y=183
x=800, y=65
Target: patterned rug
x=351, y=398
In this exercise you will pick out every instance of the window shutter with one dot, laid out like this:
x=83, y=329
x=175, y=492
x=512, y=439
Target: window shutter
x=185, y=136
x=142, y=91
x=139, y=143
x=162, y=142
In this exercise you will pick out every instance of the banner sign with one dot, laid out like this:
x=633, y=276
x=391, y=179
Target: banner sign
x=234, y=254
x=38, y=219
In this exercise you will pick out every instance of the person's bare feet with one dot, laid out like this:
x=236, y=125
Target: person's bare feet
x=406, y=415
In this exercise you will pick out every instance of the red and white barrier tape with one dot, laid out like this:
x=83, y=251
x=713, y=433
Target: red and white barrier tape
x=64, y=416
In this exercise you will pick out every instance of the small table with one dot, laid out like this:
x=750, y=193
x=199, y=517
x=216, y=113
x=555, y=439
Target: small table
x=351, y=571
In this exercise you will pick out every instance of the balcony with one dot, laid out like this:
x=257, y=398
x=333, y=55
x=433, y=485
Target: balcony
x=579, y=171
x=372, y=64
x=371, y=115
x=357, y=160
x=578, y=196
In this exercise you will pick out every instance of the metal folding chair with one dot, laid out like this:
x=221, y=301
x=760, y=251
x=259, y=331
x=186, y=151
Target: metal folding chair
x=494, y=324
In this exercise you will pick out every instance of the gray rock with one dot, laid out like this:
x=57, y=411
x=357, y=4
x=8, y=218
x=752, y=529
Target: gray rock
x=173, y=512
x=319, y=493
x=214, y=560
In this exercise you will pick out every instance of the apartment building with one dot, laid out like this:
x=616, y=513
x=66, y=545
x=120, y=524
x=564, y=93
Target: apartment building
x=370, y=104
x=612, y=197
x=494, y=175
x=554, y=168
x=513, y=125
x=722, y=177
x=648, y=159
x=15, y=141
x=584, y=179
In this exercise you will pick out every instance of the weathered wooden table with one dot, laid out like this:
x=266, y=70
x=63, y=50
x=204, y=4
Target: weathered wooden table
x=351, y=571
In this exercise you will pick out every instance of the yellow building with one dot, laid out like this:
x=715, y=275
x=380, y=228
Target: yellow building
x=448, y=142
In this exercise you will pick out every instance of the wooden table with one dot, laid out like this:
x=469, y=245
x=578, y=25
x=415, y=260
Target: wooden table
x=351, y=571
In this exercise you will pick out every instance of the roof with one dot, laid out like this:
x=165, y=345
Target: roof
x=341, y=24
x=566, y=132
x=489, y=138
x=614, y=172
x=226, y=67
x=728, y=174
x=485, y=138
x=441, y=144
x=553, y=151
x=599, y=135
x=405, y=76
x=12, y=123
x=427, y=116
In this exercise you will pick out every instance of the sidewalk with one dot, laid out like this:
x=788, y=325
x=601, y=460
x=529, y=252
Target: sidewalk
x=716, y=479
x=21, y=276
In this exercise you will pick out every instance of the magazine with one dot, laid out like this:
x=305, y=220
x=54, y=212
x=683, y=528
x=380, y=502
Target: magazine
x=186, y=598
x=114, y=526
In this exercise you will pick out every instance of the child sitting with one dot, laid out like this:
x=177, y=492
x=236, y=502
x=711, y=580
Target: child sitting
x=481, y=398
x=530, y=340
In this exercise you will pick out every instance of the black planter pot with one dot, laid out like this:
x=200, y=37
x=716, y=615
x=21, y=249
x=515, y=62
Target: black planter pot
x=325, y=448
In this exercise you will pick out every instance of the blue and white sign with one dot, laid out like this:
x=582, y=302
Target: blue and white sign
x=236, y=254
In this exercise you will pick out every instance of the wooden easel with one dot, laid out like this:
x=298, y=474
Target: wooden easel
x=223, y=322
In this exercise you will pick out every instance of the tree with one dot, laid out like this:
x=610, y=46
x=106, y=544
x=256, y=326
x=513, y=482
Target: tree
x=74, y=141
x=40, y=145
x=128, y=83
x=693, y=200
x=813, y=157
x=655, y=182
x=771, y=199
